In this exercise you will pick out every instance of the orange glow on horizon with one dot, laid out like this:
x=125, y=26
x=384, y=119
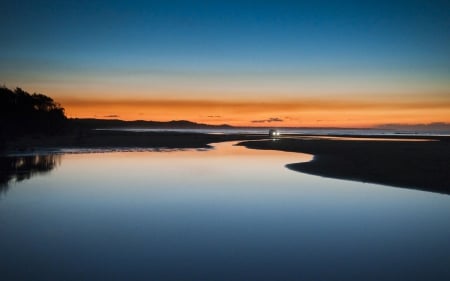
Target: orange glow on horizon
x=278, y=113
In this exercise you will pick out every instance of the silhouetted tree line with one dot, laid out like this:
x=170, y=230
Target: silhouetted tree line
x=22, y=113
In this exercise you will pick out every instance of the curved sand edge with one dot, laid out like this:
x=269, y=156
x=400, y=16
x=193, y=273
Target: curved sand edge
x=417, y=165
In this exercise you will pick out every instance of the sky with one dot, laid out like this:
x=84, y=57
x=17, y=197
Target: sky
x=248, y=63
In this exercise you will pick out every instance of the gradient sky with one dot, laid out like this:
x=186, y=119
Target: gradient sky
x=277, y=63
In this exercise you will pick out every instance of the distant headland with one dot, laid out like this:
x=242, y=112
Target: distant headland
x=116, y=123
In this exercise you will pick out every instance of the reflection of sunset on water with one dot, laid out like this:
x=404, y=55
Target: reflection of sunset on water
x=351, y=189
x=229, y=203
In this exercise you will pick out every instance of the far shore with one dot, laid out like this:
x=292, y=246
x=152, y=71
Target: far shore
x=420, y=165
x=106, y=139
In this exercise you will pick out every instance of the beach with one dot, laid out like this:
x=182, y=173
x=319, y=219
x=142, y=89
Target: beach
x=420, y=164
x=105, y=139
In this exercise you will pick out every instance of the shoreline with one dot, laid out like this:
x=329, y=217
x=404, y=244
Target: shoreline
x=116, y=140
x=422, y=165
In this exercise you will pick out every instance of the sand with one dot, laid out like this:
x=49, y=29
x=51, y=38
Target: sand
x=421, y=165
x=98, y=139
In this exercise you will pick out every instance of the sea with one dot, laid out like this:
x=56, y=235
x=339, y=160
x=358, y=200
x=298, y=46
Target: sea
x=296, y=131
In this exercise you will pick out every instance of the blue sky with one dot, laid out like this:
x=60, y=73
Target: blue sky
x=228, y=49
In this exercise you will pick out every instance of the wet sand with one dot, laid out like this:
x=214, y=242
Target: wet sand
x=106, y=139
x=423, y=165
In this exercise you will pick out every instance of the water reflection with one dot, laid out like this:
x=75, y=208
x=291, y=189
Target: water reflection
x=20, y=168
x=230, y=213
x=17, y=169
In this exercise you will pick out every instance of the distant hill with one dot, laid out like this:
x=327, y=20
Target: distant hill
x=142, y=124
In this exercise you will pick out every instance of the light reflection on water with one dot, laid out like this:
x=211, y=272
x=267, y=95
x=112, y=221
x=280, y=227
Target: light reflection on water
x=226, y=214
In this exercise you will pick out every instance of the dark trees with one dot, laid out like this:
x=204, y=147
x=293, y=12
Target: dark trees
x=22, y=113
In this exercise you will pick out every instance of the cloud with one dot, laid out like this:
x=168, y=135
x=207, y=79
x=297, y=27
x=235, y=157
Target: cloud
x=214, y=116
x=270, y=120
x=111, y=116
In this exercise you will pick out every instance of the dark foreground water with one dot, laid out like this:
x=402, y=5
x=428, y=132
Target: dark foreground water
x=226, y=214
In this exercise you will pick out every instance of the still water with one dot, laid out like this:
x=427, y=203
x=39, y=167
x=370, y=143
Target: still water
x=226, y=214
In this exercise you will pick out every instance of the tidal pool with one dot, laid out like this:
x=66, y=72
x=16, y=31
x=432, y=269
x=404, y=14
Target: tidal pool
x=230, y=213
